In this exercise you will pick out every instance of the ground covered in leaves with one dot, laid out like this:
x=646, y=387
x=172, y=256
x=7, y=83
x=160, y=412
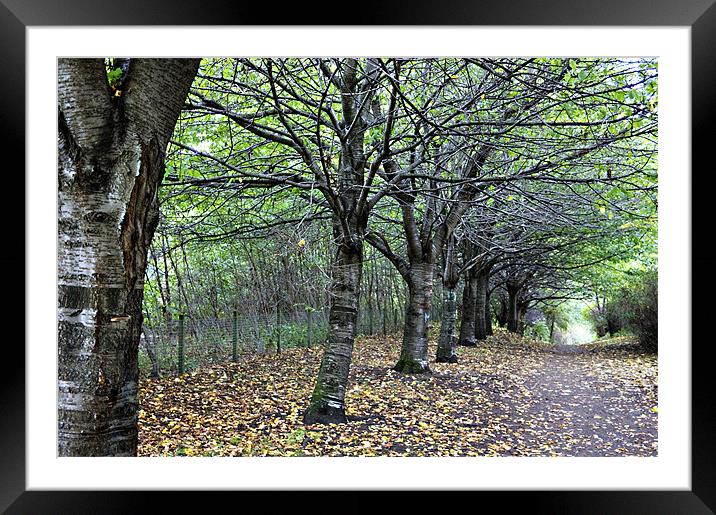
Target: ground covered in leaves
x=506, y=397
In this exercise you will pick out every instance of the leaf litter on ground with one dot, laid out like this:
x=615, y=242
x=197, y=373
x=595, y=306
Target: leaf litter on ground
x=508, y=396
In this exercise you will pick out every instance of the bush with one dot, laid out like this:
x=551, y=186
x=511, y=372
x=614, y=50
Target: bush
x=538, y=331
x=637, y=309
x=607, y=320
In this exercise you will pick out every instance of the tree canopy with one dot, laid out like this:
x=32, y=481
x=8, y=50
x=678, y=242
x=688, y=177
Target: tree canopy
x=320, y=198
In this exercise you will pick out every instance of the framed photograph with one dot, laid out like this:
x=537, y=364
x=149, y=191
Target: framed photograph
x=674, y=42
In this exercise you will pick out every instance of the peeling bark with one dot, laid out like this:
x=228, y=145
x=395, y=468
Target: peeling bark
x=111, y=160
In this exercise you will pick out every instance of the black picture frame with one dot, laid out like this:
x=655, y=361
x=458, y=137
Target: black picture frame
x=700, y=15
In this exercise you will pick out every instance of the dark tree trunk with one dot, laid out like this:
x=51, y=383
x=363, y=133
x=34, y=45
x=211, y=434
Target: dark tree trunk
x=467, y=320
x=513, y=316
x=502, y=314
x=481, y=306
x=521, y=312
x=611, y=325
x=414, y=351
x=447, y=344
x=111, y=161
x=488, y=316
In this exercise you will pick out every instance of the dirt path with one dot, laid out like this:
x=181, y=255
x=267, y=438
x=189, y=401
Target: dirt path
x=600, y=403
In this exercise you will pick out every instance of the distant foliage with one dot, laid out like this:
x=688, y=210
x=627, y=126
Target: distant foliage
x=608, y=319
x=637, y=309
x=539, y=331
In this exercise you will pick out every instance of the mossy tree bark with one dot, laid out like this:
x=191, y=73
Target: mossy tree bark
x=111, y=161
x=327, y=403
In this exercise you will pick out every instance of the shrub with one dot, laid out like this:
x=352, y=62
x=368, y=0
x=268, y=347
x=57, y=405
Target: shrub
x=538, y=331
x=637, y=309
x=607, y=320
x=612, y=319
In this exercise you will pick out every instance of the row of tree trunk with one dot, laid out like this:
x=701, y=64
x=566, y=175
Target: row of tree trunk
x=112, y=142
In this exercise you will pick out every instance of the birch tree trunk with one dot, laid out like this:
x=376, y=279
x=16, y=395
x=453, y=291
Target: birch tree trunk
x=111, y=161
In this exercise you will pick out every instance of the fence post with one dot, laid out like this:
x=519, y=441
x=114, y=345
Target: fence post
x=278, y=329
x=309, y=314
x=181, y=344
x=235, y=336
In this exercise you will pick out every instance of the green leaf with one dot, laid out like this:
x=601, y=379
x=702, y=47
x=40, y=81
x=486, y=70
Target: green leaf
x=113, y=76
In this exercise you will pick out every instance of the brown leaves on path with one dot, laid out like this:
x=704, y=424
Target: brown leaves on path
x=506, y=397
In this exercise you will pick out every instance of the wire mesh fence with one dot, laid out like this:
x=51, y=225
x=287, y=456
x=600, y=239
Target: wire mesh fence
x=183, y=343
